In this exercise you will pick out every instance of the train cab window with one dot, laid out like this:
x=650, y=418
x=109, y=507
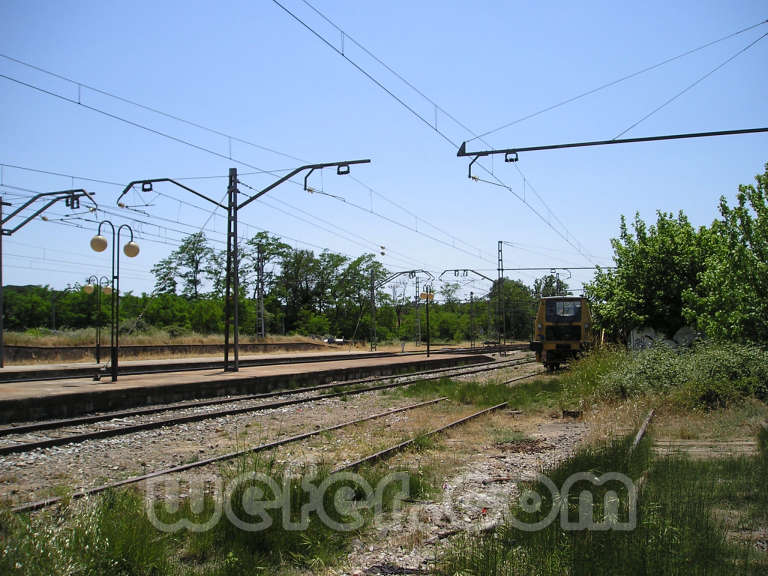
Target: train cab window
x=563, y=311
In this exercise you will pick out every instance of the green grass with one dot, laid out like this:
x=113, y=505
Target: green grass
x=681, y=527
x=112, y=533
x=709, y=375
x=508, y=436
x=532, y=393
x=108, y=535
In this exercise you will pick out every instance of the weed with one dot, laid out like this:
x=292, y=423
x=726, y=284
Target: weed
x=112, y=533
x=709, y=375
x=679, y=521
x=508, y=436
x=530, y=394
x=423, y=441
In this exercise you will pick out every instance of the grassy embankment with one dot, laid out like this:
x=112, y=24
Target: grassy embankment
x=113, y=534
x=148, y=337
x=702, y=516
x=693, y=516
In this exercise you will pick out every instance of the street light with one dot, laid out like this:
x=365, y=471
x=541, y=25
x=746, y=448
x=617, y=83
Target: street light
x=131, y=249
x=101, y=286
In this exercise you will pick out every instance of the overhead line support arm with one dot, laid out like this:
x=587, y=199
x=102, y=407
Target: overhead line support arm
x=342, y=168
x=511, y=153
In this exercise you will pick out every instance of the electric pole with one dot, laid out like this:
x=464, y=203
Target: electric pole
x=260, y=288
x=373, y=309
x=471, y=319
x=500, y=294
x=418, y=316
x=72, y=201
x=428, y=297
x=232, y=295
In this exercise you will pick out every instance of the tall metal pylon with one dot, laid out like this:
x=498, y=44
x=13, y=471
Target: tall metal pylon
x=500, y=294
x=260, y=288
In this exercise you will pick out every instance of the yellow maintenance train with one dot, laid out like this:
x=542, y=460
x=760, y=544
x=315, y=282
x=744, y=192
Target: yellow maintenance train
x=562, y=329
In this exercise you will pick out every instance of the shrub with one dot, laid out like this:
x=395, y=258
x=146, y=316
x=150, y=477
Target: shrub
x=709, y=375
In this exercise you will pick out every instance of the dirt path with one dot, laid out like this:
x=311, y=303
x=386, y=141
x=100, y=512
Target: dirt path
x=477, y=468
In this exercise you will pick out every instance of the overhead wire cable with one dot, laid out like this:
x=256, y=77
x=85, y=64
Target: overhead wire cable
x=150, y=109
x=165, y=195
x=182, y=141
x=617, y=81
x=690, y=86
x=430, y=125
x=179, y=119
x=345, y=231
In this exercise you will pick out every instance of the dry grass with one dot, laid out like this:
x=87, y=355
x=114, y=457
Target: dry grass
x=87, y=337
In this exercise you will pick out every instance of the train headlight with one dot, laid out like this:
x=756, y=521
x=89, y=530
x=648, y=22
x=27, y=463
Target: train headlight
x=538, y=326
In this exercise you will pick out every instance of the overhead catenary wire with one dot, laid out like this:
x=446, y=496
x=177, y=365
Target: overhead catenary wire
x=567, y=237
x=186, y=142
x=149, y=108
x=165, y=195
x=617, y=81
x=135, y=219
x=370, y=243
x=690, y=86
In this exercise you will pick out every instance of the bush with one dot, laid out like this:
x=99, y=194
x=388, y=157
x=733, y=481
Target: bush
x=710, y=375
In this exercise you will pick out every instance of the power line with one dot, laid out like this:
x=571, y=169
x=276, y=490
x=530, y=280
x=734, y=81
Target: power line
x=144, y=276
x=690, y=86
x=112, y=183
x=385, y=65
x=150, y=109
x=158, y=193
x=617, y=81
x=196, y=125
x=434, y=127
x=363, y=238
x=129, y=122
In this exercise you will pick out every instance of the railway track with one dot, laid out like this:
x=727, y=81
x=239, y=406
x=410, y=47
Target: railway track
x=25, y=438
x=48, y=502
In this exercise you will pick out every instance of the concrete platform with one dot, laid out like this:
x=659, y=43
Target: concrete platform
x=89, y=369
x=42, y=399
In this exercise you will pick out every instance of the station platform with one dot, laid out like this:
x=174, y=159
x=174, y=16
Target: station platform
x=40, y=371
x=62, y=398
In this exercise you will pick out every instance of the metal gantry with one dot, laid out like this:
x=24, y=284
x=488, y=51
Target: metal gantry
x=72, y=200
x=232, y=284
x=465, y=272
x=413, y=274
x=511, y=154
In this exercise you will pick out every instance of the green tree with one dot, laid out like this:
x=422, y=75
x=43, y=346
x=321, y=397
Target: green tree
x=731, y=298
x=549, y=285
x=189, y=262
x=518, y=308
x=654, y=266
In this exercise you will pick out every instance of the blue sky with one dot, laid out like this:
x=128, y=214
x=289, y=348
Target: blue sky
x=251, y=71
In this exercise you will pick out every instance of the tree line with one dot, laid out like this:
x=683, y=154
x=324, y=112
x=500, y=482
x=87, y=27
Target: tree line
x=325, y=294
x=670, y=274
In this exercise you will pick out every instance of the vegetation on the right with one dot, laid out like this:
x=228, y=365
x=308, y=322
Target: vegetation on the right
x=669, y=274
x=701, y=515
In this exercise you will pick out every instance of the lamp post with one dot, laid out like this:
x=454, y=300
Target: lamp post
x=101, y=285
x=131, y=249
